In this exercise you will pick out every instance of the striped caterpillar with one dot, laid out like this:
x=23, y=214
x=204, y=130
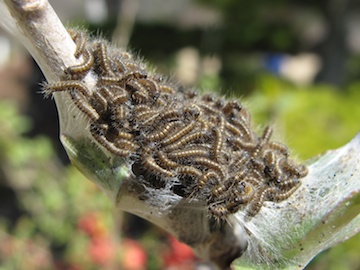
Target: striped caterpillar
x=202, y=143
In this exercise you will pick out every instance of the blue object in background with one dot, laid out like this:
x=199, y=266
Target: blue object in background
x=273, y=62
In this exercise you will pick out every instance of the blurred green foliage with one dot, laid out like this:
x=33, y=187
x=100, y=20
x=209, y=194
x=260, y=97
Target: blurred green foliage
x=311, y=119
x=52, y=201
x=49, y=196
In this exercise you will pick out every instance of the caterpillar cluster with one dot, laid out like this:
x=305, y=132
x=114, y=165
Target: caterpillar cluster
x=203, y=144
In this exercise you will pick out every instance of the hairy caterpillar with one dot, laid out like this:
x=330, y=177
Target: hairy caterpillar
x=204, y=142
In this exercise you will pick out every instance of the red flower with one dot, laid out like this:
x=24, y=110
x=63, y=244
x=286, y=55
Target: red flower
x=178, y=254
x=133, y=255
x=90, y=224
x=102, y=250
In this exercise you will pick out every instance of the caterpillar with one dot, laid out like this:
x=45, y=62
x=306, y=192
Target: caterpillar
x=167, y=132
